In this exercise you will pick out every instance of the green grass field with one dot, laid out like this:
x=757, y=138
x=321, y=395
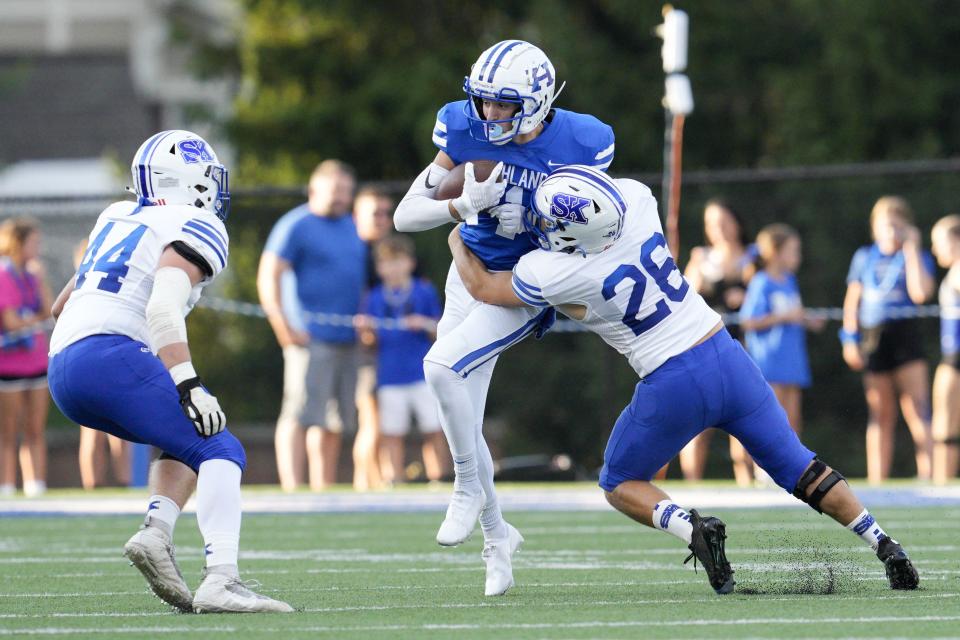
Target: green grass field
x=580, y=575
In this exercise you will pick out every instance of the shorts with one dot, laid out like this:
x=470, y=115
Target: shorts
x=712, y=384
x=12, y=384
x=116, y=385
x=399, y=403
x=891, y=345
x=471, y=334
x=332, y=382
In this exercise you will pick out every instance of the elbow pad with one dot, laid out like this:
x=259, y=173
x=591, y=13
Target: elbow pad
x=418, y=210
x=165, y=321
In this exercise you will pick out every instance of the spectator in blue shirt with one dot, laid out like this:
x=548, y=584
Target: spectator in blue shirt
x=318, y=243
x=887, y=278
x=774, y=322
x=407, y=309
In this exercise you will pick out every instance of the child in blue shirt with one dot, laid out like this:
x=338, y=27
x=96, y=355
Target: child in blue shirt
x=407, y=309
x=773, y=318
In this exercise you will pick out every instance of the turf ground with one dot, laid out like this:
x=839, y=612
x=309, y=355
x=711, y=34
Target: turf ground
x=585, y=574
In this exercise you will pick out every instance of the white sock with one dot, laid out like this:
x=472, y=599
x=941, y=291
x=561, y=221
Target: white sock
x=162, y=512
x=491, y=519
x=7, y=490
x=218, y=511
x=459, y=421
x=670, y=517
x=865, y=526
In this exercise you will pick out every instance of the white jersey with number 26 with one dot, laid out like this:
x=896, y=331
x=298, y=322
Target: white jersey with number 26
x=115, y=278
x=635, y=297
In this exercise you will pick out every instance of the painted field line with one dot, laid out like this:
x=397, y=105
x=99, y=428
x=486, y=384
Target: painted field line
x=480, y=605
x=593, y=624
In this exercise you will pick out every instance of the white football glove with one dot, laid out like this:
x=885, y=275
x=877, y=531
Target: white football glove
x=197, y=403
x=201, y=407
x=511, y=217
x=477, y=196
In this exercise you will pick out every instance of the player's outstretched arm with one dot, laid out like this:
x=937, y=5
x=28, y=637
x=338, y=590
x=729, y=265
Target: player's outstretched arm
x=485, y=286
x=172, y=283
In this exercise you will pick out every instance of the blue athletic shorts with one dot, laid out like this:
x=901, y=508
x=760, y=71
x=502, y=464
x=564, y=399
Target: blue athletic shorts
x=115, y=384
x=714, y=384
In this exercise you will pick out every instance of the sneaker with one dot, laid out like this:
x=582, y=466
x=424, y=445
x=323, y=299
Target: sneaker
x=461, y=518
x=900, y=571
x=151, y=552
x=498, y=554
x=707, y=546
x=222, y=591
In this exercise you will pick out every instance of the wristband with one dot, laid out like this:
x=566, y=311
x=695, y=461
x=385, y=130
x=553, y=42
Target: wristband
x=848, y=337
x=182, y=371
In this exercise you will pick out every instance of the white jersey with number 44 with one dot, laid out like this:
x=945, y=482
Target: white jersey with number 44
x=635, y=297
x=115, y=278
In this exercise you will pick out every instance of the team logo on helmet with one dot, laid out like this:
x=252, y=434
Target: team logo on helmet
x=194, y=151
x=569, y=207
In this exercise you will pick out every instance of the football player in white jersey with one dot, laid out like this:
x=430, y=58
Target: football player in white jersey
x=507, y=117
x=605, y=264
x=120, y=362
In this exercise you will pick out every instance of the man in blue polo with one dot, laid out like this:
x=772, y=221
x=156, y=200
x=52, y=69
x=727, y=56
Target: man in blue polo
x=318, y=243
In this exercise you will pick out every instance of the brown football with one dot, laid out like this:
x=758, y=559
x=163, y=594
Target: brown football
x=452, y=184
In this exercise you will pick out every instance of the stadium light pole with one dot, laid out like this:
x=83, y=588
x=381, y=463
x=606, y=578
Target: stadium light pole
x=677, y=103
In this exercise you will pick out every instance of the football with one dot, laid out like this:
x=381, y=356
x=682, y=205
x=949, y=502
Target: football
x=452, y=184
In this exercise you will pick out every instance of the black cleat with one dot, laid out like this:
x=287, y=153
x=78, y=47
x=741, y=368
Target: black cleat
x=707, y=546
x=900, y=571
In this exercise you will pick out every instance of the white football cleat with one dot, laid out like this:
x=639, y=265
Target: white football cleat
x=461, y=518
x=222, y=591
x=151, y=552
x=498, y=554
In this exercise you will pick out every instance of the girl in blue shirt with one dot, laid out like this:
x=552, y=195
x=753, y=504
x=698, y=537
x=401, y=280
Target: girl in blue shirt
x=891, y=276
x=773, y=318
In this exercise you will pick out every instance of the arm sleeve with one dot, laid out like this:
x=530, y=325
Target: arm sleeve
x=418, y=211
x=527, y=286
x=207, y=236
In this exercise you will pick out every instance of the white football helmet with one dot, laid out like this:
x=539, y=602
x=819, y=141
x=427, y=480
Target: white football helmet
x=179, y=167
x=510, y=71
x=576, y=209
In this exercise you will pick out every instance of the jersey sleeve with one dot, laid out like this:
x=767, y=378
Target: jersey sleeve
x=855, y=274
x=527, y=286
x=206, y=235
x=597, y=141
x=440, y=128
x=755, y=303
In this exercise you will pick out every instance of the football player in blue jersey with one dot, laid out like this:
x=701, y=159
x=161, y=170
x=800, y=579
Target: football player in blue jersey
x=605, y=264
x=507, y=117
